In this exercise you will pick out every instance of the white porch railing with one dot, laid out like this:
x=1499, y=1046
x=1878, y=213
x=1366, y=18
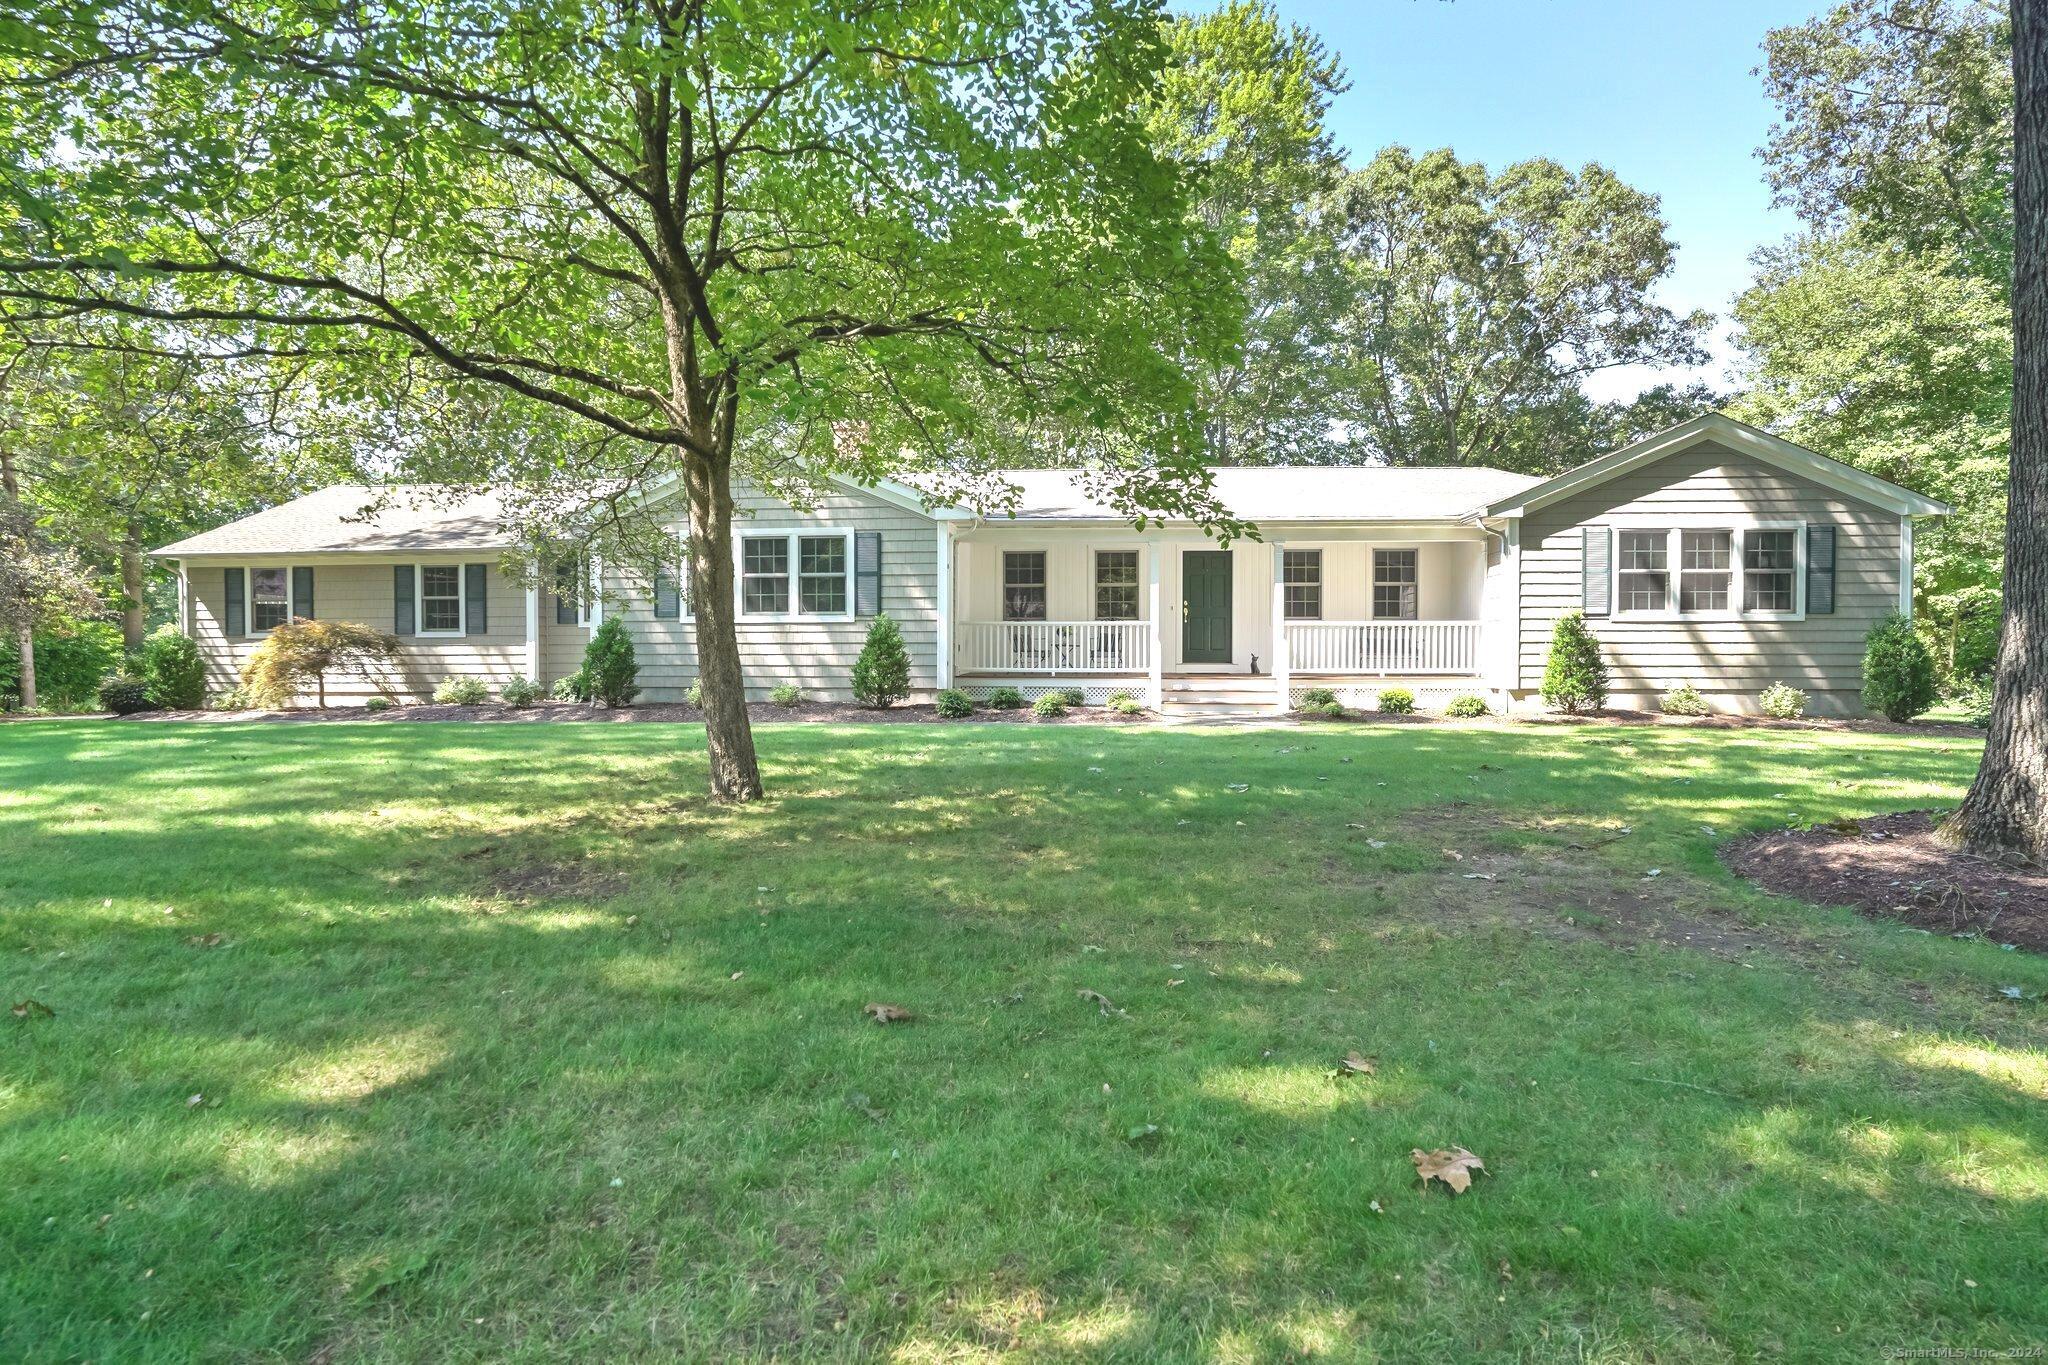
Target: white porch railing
x=1055, y=646
x=1392, y=647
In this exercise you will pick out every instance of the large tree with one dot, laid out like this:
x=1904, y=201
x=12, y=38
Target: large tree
x=1899, y=361
x=1897, y=114
x=741, y=234
x=2007, y=806
x=1244, y=102
x=1482, y=301
x=1881, y=335
x=123, y=444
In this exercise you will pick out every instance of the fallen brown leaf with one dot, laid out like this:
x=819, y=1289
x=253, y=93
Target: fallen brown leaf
x=1355, y=1064
x=886, y=1014
x=1453, y=1166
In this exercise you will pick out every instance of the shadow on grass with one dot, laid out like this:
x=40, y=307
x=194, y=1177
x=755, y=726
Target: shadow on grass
x=656, y=1123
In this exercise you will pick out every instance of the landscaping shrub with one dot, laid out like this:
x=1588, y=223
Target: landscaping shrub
x=1124, y=704
x=1005, y=699
x=169, y=662
x=609, y=665
x=694, y=694
x=1785, y=703
x=1468, y=707
x=237, y=699
x=1683, y=700
x=1050, y=706
x=124, y=694
x=520, y=692
x=1898, y=670
x=881, y=675
x=1328, y=710
x=1396, y=701
x=461, y=692
x=576, y=687
x=1072, y=696
x=70, y=661
x=377, y=704
x=786, y=695
x=301, y=651
x=953, y=705
x=1575, y=678
x=1315, y=698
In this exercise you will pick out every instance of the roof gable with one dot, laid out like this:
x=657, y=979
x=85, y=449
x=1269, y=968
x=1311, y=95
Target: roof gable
x=1738, y=436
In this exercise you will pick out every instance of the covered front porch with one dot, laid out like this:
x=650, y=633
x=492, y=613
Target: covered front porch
x=1186, y=624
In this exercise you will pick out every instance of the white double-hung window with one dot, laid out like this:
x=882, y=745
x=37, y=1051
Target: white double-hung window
x=799, y=573
x=1729, y=572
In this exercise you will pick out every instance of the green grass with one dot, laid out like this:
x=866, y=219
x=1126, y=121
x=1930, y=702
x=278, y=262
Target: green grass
x=514, y=1047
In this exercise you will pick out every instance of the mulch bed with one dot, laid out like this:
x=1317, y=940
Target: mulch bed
x=759, y=712
x=1892, y=867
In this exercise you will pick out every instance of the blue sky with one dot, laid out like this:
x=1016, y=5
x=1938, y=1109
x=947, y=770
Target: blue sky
x=1658, y=90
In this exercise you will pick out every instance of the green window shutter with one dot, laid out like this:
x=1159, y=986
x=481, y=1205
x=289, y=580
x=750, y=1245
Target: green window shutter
x=565, y=594
x=302, y=592
x=401, y=599
x=1597, y=583
x=476, y=586
x=1820, y=570
x=237, y=603
x=668, y=597
x=867, y=573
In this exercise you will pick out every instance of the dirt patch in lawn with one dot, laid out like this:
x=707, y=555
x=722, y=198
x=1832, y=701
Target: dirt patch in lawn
x=525, y=883
x=1892, y=867
x=1536, y=876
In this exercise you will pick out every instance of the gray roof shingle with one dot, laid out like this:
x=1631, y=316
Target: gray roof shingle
x=362, y=518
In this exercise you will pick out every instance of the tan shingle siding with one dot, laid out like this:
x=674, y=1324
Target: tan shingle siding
x=815, y=655
x=1709, y=485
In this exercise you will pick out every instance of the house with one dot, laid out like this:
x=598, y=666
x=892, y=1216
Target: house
x=1713, y=554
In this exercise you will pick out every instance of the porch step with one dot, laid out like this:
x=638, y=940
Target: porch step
x=1217, y=696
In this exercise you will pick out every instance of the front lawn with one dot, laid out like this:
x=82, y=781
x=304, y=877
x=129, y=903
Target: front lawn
x=499, y=1041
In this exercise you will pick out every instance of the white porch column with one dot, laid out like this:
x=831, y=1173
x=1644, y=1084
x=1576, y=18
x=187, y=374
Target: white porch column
x=596, y=593
x=1155, y=654
x=945, y=571
x=1282, y=665
x=533, y=633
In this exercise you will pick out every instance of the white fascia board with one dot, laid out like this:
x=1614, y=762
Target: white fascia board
x=1740, y=436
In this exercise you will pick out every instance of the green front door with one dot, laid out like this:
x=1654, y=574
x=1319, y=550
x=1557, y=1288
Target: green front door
x=1205, y=606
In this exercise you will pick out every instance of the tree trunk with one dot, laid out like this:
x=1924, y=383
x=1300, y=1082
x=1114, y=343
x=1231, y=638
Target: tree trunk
x=2007, y=807
x=735, y=773
x=134, y=610
x=25, y=637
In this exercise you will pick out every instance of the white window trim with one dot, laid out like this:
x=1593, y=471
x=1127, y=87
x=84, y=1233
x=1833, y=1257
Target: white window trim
x=1322, y=583
x=291, y=602
x=792, y=534
x=1003, y=552
x=1095, y=553
x=419, y=600
x=1372, y=581
x=1674, y=559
